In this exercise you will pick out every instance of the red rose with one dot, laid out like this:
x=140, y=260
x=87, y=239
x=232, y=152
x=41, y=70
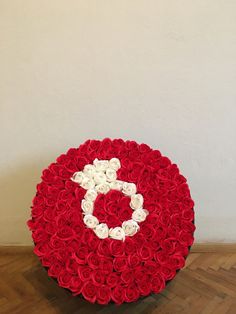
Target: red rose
x=106, y=265
x=151, y=267
x=42, y=188
x=112, y=221
x=66, y=233
x=181, y=249
x=48, y=260
x=158, y=283
x=124, y=214
x=129, y=246
x=62, y=254
x=104, y=247
x=41, y=249
x=117, y=248
x=93, y=242
x=161, y=257
x=49, y=214
x=112, y=279
x=186, y=238
x=76, y=285
x=98, y=277
x=187, y=203
x=38, y=203
x=188, y=226
x=183, y=190
x=84, y=272
x=61, y=207
x=70, y=168
x=154, y=245
x=63, y=159
x=86, y=235
x=79, y=193
x=168, y=245
x=144, y=287
x=93, y=260
x=144, y=148
x=48, y=176
x=118, y=294
x=72, y=152
x=56, y=243
x=120, y=263
x=167, y=272
x=112, y=197
x=80, y=255
x=127, y=276
x=145, y=253
x=103, y=294
x=40, y=235
x=66, y=195
x=135, y=172
x=140, y=275
x=134, y=261
x=188, y=214
x=64, y=279
x=71, y=266
x=160, y=232
x=131, y=293
x=173, y=231
x=147, y=230
x=89, y=291
x=93, y=145
x=55, y=269
x=177, y=261
x=164, y=218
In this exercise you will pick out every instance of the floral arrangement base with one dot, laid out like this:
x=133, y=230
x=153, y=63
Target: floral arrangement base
x=112, y=220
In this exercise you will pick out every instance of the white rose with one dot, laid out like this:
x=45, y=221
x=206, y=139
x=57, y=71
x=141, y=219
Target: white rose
x=129, y=188
x=87, y=206
x=101, y=165
x=90, y=195
x=136, y=201
x=116, y=185
x=90, y=221
x=87, y=183
x=102, y=188
x=139, y=215
x=101, y=231
x=78, y=177
x=114, y=163
x=111, y=175
x=130, y=227
x=89, y=170
x=117, y=233
x=99, y=177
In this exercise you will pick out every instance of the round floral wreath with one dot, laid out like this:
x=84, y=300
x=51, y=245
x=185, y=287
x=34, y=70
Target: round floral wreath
x=112, y=220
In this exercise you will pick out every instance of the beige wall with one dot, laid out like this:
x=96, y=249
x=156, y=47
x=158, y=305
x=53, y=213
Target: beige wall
x=161, y=72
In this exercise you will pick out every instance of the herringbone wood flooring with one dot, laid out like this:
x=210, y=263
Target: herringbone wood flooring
x=207, y=284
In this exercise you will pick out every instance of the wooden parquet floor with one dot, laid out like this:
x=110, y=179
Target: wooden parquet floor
x=206, y=285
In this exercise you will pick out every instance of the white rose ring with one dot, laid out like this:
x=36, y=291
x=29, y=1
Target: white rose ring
x=101, y=177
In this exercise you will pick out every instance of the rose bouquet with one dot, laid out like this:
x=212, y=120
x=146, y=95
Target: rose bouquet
x=112, y=220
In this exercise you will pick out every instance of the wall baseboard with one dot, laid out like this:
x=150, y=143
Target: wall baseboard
x=196, y=248
x=213, y=247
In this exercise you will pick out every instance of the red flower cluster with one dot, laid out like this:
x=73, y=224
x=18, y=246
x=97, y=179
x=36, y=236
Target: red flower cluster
x=112, y=270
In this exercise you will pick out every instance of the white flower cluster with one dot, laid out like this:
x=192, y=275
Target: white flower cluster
x=101, y=177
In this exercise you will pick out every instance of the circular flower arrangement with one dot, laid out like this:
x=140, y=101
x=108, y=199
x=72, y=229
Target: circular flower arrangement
x=112, y=220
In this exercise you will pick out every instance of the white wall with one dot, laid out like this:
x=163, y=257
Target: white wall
x=161, y=72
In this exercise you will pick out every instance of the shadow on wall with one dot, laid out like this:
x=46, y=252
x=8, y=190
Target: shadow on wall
x=17, y=188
